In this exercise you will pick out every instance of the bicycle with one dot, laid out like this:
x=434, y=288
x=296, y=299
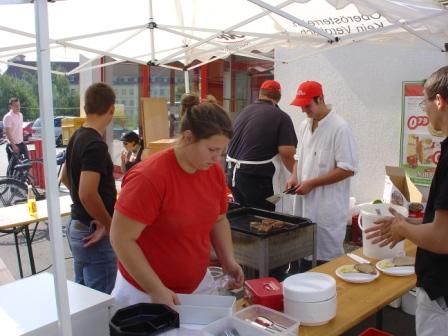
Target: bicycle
x=19, y=169
x=12, y=191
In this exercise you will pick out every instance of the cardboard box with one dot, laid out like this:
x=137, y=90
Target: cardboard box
x=399, y=189
x=157, y=146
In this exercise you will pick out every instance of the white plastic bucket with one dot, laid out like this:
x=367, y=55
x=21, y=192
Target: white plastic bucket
x=409, y=301
x=370, y=213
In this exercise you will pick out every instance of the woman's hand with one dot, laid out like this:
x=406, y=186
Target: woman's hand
x=165, y=296
x=236, y=273
x=387, y=230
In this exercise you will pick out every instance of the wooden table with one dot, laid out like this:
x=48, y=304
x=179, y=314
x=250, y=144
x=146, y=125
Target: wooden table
x=15, y=219
x=356, y=302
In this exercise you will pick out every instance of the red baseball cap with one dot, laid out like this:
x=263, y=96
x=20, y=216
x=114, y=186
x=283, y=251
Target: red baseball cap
x=271, y=85
x=306, y=92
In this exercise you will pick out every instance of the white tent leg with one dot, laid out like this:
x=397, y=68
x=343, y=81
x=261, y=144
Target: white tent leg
x=51, y=191
x=151, y=32
x=187, y=81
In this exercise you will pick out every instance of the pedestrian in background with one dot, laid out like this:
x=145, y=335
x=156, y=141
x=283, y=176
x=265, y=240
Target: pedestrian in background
x=13, y=129
x=133, y=151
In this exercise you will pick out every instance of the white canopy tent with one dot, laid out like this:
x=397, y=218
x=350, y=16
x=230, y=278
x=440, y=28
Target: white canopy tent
x=194, y=32
x=161, y=32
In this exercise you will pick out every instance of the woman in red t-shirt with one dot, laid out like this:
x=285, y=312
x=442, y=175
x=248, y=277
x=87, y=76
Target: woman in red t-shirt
x=171, y=210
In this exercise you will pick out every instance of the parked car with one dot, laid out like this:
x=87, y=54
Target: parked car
x=37, y=130
x=27, y=130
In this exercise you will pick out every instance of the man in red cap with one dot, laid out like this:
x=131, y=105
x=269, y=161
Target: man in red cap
x=263, y=143
x=326, y=159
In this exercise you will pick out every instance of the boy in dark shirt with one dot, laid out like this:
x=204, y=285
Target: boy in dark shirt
x=431, y=264
x=88, y=173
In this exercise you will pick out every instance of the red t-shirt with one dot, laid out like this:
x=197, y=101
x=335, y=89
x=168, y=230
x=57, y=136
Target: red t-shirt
x=179, y=211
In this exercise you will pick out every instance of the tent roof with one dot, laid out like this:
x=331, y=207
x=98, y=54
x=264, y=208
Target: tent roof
x=184, y=31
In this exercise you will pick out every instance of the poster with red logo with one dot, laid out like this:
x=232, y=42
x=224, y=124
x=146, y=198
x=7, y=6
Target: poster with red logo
x=420, y=143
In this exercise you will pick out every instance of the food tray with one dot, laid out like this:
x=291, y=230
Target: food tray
x=240, y=218
x=143, y=319
x=286, y=324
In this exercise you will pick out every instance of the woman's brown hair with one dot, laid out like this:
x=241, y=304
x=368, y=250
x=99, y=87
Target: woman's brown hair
x=188, y=100
x=206, y=120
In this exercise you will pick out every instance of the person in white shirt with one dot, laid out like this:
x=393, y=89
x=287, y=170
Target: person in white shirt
x=13, y=124
x=326, y=159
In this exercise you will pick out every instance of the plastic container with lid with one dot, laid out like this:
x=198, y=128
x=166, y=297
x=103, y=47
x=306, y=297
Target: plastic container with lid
x=204, y=309
x=265, y=291
x=274, y=321
x=310, y=297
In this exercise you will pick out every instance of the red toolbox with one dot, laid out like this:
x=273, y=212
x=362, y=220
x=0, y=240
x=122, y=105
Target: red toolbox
x=265, y=291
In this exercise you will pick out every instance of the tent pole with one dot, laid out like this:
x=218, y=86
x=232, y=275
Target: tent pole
x=420, y=36
x=18, y=47
x=187, y=81
x=220, y=47
x=124, y=40
x=209, y=61
x=229, y=29
x=52, y=188
x=24, y=66
x=293, y=19
x=152, y=25
x=394, y=26
x=103, y=53
x=174, y=30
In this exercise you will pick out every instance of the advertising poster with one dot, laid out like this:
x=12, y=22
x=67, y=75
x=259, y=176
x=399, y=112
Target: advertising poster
x=420, y=143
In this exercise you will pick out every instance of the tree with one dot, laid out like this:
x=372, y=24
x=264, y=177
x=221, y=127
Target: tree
x=13, y=87
x=65, y=98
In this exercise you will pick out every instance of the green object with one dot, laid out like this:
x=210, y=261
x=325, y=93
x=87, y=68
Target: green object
x=377, y=201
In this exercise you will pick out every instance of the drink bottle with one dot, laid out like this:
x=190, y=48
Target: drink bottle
x=32, y=208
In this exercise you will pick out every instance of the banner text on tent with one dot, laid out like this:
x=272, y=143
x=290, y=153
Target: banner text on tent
x=344, y=25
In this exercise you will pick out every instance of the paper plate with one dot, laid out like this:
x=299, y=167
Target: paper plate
x=394, y=270
x=356, y=277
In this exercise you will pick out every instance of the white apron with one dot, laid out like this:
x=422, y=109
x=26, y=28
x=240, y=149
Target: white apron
x=278, y=179
x=126, y=294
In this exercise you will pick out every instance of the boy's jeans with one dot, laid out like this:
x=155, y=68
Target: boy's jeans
x=95, y=266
